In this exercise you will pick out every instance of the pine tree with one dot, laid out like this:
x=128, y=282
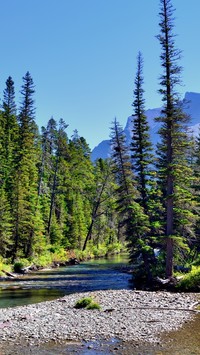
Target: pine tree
x=141, y=147
x=132, y=214
x=194, y=160
x=10, y=136
x=47, y=168
x=174, y=173
x=26, y=215
x=79, y=190
x=8, y=147
x=102, y=206
x=142, y=165
x=6, y=243
x=59, y=174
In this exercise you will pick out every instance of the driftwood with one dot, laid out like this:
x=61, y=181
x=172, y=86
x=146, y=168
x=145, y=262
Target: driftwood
x=157, y=309
x=27, y=269
x=72, y=261
x=172, y=281
x=9, y=274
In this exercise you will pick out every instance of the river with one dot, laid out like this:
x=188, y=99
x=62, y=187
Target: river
x=98, y=274
x=89, y=276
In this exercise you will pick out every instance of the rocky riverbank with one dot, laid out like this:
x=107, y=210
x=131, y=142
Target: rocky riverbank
x=125, y=315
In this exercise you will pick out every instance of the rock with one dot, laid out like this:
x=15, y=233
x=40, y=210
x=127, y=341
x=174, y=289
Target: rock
x=126, y=315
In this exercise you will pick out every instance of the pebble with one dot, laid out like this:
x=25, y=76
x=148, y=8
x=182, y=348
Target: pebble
x=134, y=316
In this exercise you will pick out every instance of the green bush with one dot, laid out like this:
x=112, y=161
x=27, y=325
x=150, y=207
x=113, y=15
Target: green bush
x=87, y=303
x=4, y=266
x=116, y=247
x=42, y=260
x=18, y=266
x=83, y=303
x=190, y=281
x=93, y=305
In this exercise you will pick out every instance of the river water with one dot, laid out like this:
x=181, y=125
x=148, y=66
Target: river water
x=89, y=276
x=99, y=274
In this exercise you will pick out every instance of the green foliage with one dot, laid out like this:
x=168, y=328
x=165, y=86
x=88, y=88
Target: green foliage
x=49, y=255
x=20, y=264
x=54, y=202
x=4, y=266
x=196, y=262
x=42, y=260
x=84, y=302
x=87, y=303
x=93, y=305
x=190, y=281
x=115, y=247
x=174, y=172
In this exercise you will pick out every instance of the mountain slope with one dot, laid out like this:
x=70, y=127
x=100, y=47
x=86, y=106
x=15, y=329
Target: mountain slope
x=191, y=107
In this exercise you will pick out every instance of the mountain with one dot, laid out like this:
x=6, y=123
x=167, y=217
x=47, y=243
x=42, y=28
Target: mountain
x=191, y=107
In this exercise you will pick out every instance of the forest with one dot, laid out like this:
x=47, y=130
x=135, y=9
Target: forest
x=55, y=203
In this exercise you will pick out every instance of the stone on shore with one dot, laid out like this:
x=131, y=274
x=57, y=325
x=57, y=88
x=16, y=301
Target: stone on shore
x=126, y=315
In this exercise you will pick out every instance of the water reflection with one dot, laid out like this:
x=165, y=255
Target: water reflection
x=12, y=297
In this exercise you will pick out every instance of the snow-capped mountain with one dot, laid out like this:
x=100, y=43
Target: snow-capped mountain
x=191, y=107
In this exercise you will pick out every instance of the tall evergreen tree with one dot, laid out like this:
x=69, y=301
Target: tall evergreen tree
x=141, y=145
x=8, y=148
x=103, y=203
x=10, y=135
x=28, y=224
x=79, y=190
x=174, y=172
x=132, y=214
x=60, y=154
x=142, y=164
x=194, y=160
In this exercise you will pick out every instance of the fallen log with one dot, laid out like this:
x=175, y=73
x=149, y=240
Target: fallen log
x=8, y=274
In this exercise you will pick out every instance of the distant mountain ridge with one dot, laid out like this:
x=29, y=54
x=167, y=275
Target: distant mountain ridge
x=192, y=108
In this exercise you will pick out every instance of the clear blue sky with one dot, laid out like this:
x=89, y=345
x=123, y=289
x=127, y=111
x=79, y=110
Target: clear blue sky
x=82, y=57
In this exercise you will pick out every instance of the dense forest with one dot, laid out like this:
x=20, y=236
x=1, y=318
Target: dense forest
x=54, y=202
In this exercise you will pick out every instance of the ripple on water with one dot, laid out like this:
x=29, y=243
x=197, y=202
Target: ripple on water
x=46, y=285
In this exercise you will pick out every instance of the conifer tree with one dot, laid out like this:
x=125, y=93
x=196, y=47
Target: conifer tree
x=10, y=135
x=194, y=160
x=59, y=173
x=6, y=242
x=8, y=148
x=132, y=214
x=79, y=191
x=141, y=147
x=174, y=173
x=27, y=218
x=142, y=165
x=102, y=205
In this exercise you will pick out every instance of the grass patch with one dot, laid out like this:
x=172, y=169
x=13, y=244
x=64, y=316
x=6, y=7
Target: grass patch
x=4, y=266
x=84, y=302
x=93, y=305
x=87, y=303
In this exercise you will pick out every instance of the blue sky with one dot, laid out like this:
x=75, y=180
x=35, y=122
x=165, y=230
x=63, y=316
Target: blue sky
x=82, y=57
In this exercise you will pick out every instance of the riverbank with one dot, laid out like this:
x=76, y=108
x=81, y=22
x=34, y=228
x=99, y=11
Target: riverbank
x=129, y=316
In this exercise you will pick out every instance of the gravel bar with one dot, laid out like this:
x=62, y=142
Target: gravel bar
x=125, y=314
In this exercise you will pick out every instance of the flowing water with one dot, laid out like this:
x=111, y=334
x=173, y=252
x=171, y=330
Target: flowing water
x=92, y=275
x=99, y=274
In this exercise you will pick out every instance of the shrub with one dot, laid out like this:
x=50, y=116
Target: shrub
x=4, y=266
x=42, y=260
x=83, y=303
x=93, y=305
x=18, y=266
x=190, y=281
x=87, y=303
